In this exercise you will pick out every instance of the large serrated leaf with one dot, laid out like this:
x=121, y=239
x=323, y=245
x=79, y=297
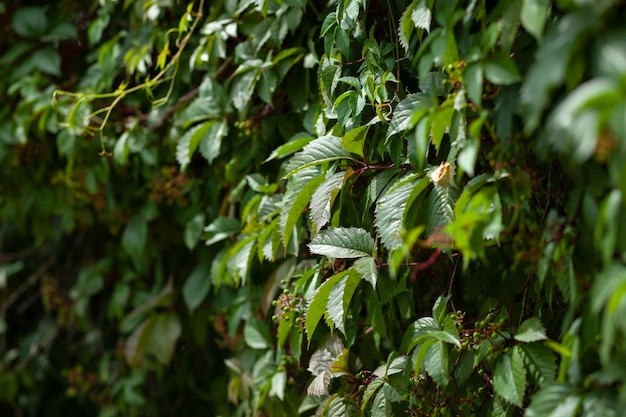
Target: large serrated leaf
x=409, y=112
x=552, y=401
x=322, y=199
x=317, y=307
x=368, y=269
x=509, y=377
x=299, y=191
x=436, y=363
x=391, y=209
x=286, y=149
x=371, y=389
x=540, y=362
x=343, y=242
x=323, y=149
x=339, y=299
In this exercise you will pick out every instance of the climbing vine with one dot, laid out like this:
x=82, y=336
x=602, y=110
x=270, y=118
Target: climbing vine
x=300, y=208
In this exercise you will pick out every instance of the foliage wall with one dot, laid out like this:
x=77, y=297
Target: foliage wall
x=290, y=207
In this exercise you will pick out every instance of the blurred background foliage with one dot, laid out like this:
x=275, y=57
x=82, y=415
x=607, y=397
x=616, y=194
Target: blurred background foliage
x=188, y=189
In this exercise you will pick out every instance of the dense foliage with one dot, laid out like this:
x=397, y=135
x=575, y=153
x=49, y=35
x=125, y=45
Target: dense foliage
x=291, y=207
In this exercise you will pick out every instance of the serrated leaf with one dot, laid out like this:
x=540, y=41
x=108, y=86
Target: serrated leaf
x=343, y=242
x=220, y=229
x=436, y=363
x=408, y=112
x=531, y=330
x=415, y=332
x=299, y=191
x=509, y=378
x=322, y=199
x=338, y=407
x=421, y=16
x=289, y=148
x=339, y=299
x=367, y=268
x=540, y=362
x=391, y=209
x=323, y=149
x=317, y=307
x=553, y=401
x=240, y=257
x=381, y=407
x=197, y=286
x=354, y=139
x=371, y=389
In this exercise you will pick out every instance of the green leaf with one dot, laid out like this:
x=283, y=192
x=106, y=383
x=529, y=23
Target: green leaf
x=317, y=307
x=197, y=286
x=30, y=21
x=553, y=401
x=343, y=242
x=408, y=112
x=575, y=124
x=193, y=230
x=416, y=332
x=241, y=256
x=279, y=381
x=509, y=377
x=381, y=407
x=288, y=148
x=134, y=238
x=500, y=69
x=391, y=208
x=549, y=67
x=540, y=362
x=473, y=82
x=300, y=189
x=441, y=123
x=421, y=16
x=322, y=200
x=320, y=150
x=338, y=407
x=339, y=299
x=354, y=139
x=211, y=133
x=157, y=336
x=285, y=325
x=531, y=330
x=367, y=268
x=221, y=228
x=256, y=334
x=188, y=144
x=371, y=389
x=533, y=16
x=436, y=363
x=48, y=60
